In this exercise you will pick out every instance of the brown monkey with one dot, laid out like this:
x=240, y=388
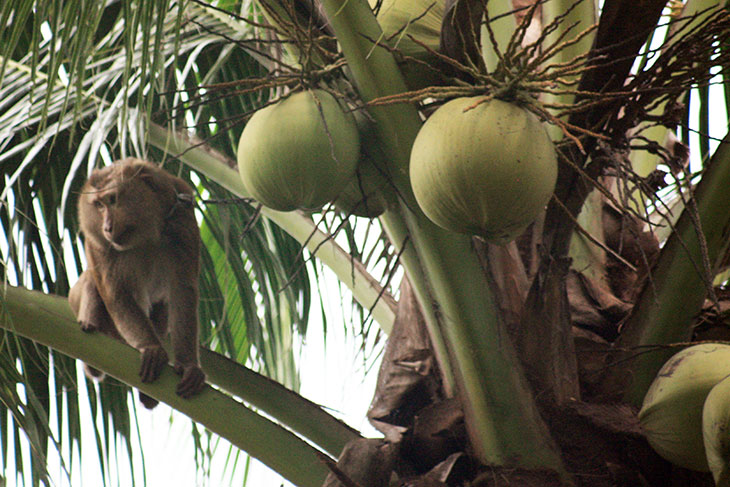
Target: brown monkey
x=142, y=247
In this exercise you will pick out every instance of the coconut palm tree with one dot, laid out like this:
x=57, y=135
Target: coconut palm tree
x=523, y=337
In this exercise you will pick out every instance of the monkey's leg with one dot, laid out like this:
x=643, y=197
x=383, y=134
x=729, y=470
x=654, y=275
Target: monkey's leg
x=158, y=317
x=183, y=325
x=91, y=314
x=106, y=326
x=89, y=308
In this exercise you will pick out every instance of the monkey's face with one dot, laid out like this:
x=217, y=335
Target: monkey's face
x=123, y=212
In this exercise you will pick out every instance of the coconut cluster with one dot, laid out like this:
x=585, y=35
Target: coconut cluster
x=303, y=152
x=482, y=167
x=686, y=411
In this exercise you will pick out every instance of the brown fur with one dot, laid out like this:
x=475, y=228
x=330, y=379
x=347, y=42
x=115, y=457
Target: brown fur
x=142, y=247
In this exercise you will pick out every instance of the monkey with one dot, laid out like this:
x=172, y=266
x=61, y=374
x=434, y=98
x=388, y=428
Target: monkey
x=142, y=246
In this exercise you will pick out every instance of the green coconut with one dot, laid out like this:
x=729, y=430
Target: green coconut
x=420, y=19
x=402, y=20
x=365, y=194
x=298, y=153
x=671, y=415
x=485, y=169
x=715, y=429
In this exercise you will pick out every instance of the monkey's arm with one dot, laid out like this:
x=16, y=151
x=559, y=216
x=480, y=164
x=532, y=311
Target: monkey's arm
x=184, y=333
x=135, y=328
x=91, y=313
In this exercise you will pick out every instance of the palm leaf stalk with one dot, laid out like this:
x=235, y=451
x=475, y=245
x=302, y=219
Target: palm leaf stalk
x=467, y=314
x=48, y=320
x=664, y=312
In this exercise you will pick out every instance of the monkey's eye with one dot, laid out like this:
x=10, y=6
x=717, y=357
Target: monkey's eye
x=98, y=204
x=111, y=199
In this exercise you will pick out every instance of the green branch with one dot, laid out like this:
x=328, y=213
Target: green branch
x=670, y=300
x=286, y=406
x=48, y=320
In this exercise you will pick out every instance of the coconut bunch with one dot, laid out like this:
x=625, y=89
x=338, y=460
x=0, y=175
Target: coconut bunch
x=482, y=164
x=686, y=412
x=303, y=152
x=479, y=166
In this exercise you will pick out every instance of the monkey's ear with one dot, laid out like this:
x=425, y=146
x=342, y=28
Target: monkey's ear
x=159, y=181
x=99, y=177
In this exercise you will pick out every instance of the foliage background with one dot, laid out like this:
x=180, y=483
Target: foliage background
x=84, y=83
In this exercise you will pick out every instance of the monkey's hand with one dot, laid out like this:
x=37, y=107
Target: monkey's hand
x=153, y=360
x=192, y=382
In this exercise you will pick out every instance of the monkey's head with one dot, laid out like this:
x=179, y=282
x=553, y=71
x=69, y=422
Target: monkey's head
x=125, y=205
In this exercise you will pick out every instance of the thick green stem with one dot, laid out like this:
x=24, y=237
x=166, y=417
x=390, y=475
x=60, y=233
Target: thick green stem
x=504, y=424
x=581, y=18
x=503, y=26
x=286, y=406
x=445, y=272
x=376, y=74
x=48, y=320
x=398, y=233
x=671, y=299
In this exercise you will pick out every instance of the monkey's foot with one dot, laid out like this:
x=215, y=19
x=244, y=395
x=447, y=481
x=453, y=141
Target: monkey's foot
x=87, y=326
x=192, y=382
x=147, y=401
x=93, y=373
x=153, y=360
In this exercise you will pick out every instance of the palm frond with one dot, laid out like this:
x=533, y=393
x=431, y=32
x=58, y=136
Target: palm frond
x=71, y=96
